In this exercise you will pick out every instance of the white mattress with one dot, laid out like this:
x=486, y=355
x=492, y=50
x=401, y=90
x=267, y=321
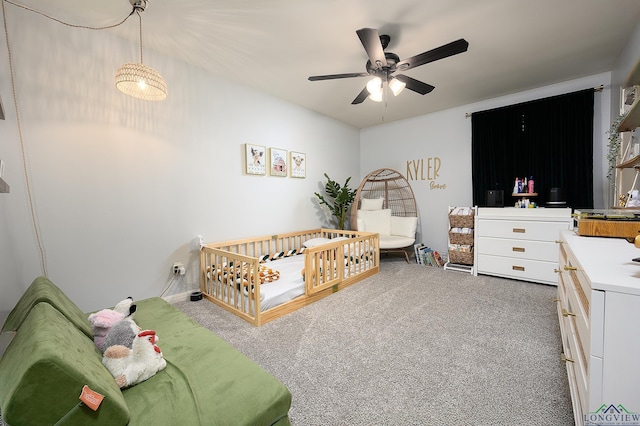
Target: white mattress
x=289, y=286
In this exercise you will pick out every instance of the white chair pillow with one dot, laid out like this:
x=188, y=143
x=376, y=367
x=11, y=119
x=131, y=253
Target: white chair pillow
x=404, y=226
x=375, y=221
x=371, y=203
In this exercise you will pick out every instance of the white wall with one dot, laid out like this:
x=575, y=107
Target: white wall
x=121, y=186
x=446, y=135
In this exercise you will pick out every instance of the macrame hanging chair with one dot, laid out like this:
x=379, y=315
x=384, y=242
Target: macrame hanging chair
x=390, y=185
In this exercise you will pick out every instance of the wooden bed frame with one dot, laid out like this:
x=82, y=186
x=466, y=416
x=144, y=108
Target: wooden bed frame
x=327, y=268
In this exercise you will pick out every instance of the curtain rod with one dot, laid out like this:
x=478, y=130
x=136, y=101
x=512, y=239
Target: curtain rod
x=595, y=89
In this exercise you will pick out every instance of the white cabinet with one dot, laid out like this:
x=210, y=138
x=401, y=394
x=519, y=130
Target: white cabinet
x=599, y=312
x=519, y=243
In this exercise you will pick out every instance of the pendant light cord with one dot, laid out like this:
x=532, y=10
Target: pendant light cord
x=66, y=23
x=27, y=177
x=140, y=18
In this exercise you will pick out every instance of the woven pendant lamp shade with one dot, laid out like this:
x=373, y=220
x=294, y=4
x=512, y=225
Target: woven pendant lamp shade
x=141, y=81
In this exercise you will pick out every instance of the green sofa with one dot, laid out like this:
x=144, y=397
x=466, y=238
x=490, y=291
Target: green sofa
x=51, y=356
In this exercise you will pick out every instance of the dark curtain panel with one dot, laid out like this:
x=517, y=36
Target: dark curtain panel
x=550, y=139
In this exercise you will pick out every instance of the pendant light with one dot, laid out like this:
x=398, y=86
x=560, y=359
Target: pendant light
x=137, y=79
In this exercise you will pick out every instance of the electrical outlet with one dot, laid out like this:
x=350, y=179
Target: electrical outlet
x=178, y=268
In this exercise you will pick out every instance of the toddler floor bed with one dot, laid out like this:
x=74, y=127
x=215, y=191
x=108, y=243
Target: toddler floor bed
x=261, y=279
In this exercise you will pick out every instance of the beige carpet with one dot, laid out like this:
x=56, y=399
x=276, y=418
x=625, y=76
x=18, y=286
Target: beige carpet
x=413, y=345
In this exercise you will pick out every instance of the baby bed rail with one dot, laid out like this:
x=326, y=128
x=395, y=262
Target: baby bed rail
x=231, y=271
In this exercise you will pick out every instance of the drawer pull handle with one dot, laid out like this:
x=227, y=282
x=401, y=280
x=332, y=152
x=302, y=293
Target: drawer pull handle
x=555, y=299
x=570, y=268
x=556, y=270
x=519, y=230
x=517, y=268
x=558, y=241
x=565, y=359
x=518, y=249
x=566, y=313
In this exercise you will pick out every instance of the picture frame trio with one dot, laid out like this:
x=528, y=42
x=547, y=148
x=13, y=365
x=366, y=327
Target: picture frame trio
x=279, y=162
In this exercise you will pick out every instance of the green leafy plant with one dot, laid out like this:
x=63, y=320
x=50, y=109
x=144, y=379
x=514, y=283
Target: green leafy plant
x=340, y=199
x=613, y=155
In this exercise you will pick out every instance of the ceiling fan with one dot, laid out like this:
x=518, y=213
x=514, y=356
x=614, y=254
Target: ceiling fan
x=382, y=66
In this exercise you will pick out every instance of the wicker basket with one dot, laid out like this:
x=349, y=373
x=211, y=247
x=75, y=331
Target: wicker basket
x=461, y=257
x=459, y=238
x=461, y=220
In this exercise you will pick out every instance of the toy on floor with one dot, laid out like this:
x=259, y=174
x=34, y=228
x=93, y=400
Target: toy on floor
x=102, y=321
x=132, y=366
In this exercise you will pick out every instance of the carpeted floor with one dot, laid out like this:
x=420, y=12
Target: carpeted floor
x=413, y=345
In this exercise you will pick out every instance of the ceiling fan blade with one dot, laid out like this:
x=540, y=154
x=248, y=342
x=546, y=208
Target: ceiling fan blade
x=334, y=76
x=371, y=41
x=361, y=97
x=415, y=85
x=441, y=52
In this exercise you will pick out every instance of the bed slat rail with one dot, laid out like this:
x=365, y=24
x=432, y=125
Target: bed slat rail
x=230, y=274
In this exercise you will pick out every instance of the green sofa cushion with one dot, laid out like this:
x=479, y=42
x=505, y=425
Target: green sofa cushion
x=43, y=290
x=43, y=372
x=206, y=381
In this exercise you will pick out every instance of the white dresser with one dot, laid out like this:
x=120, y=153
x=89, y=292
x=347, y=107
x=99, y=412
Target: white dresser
x=519, y=243
x=599, y=313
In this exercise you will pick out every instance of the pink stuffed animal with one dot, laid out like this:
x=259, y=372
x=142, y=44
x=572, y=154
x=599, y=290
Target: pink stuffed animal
x=102, y=321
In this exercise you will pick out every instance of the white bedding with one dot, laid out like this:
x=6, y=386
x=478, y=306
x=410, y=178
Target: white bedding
x=289, y=286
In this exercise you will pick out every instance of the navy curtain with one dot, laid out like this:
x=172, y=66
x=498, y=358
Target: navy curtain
x=550, y=139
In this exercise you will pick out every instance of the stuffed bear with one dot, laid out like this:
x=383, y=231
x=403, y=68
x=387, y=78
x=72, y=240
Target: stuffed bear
x=132, y=366
x=102, y=321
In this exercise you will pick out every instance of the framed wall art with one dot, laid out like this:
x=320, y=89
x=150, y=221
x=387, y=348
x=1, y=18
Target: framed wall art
x=298, y=164
x=256, y=159
x=278, y=162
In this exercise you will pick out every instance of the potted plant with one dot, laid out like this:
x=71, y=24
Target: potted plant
x=340, y=199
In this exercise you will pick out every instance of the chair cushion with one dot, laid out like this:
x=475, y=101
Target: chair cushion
x=404, y=226
x=375, y=221
x=371, y=203
x=394, y=241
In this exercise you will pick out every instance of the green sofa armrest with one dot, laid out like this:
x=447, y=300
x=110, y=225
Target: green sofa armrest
x=43, y=290
x=44, y=369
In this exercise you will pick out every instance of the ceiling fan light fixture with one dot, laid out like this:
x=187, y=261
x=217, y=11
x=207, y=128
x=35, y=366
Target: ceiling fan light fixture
x=396, y=86
x=376, y=97
x=374, y=86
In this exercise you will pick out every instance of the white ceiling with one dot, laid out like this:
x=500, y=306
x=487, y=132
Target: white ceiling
x=274, y=45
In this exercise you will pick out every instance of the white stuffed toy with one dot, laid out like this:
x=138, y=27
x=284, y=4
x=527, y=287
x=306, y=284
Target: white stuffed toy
x=122, y=333
x=102, y=321
x=132, y=366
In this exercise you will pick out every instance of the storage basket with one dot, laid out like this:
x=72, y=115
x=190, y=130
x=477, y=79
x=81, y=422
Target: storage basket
x=460, y=238
x=461, y=220
x=461, y=257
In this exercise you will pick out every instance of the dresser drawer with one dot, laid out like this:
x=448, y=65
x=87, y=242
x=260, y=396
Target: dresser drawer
x=520, y=269
x=520, y=230
x=519, y=249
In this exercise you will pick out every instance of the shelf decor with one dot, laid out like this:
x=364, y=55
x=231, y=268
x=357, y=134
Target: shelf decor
x=255, y=159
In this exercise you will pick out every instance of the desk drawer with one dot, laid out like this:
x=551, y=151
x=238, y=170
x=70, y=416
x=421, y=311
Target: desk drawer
x=520, y=269
x=519, y=249
x=520, y=230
